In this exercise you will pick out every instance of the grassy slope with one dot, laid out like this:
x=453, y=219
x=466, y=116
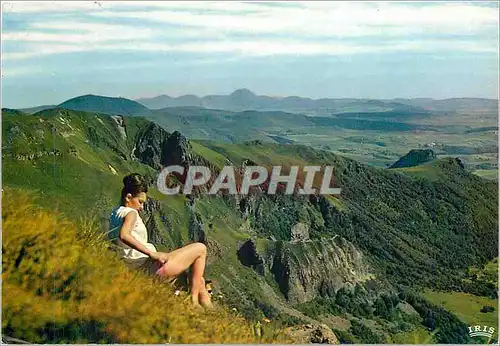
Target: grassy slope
x=416, y=336
x=82, y=185
x=466, y=306
x=491, y=174
x=61, y=284
x=84, y=178
x=90, y=189
x=75, y=174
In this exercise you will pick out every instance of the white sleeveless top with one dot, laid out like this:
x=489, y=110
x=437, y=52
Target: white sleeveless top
x=132, y=257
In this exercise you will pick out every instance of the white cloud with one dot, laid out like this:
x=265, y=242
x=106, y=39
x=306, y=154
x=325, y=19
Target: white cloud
x=329, y=19
x=51, y=7
x=258, y=48
x=37, y=7
x=8, y=71
x=305, y=28
x=33, y=51
x=69, y=33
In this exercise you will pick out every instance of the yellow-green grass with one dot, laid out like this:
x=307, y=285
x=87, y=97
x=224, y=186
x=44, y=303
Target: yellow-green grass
x=337, y=202
x=491, y=174
x=488, y=273
x=466, y=307
x=61, y=284
x=491, y=268
x=212, y=156
x=427, y=171
x=267, y=154
x=416, y=336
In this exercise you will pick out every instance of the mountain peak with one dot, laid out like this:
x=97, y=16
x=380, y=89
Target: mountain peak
x=243, y=93
x=104, y=104
x=414, y=158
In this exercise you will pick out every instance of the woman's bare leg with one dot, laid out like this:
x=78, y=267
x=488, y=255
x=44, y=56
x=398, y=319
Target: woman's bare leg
x=193, y=255
x=204, y=297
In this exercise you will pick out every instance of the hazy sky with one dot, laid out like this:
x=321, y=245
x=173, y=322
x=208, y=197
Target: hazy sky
x=57, y=50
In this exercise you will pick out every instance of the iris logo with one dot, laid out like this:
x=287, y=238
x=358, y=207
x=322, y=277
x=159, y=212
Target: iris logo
x=481, y=331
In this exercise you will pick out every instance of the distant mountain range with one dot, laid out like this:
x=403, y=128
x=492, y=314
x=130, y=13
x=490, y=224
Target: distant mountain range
x=244, y=99
x=330, y=124
x=238, y=126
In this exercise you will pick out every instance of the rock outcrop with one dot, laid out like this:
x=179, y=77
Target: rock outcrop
x=300, y=231
x=158, y=224
x=150, y=147
x=306, y=269
x=248, y=256
x=196, y=228
x=120, y=125
x=312, y=334
x=157, y=148
x=177, y=150
x=414, y=158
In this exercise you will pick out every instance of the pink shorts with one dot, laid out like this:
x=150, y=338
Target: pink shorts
x=156, y=268
x=153, y=267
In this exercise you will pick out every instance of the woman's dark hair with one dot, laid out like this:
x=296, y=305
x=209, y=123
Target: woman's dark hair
x=134, y=184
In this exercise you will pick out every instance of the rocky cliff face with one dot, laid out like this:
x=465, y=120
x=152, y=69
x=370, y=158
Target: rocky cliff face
x=158, y=224
x=300, y=231
x=196, y=227
x=177, y=150
x=120, y=124
x=248, y=255
x=150, y=147
x=311, y=268
x=157, y=148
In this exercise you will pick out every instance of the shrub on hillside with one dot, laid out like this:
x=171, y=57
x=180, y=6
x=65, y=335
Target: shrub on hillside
x=487, y=308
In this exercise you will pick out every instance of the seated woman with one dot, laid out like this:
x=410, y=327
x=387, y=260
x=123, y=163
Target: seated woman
x=128, y=231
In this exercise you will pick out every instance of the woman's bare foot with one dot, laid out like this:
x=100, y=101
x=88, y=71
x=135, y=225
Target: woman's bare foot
x=195, y=302
x=205, y=299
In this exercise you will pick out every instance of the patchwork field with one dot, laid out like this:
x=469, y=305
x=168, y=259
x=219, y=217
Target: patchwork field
x=375, y=138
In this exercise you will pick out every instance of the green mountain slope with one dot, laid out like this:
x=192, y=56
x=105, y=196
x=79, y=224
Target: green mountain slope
x=103, y=104
x=396, y=217
x=335, y=125
x=64, y=153
x=358, y=255
x=33, y=110
x=201, y=123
